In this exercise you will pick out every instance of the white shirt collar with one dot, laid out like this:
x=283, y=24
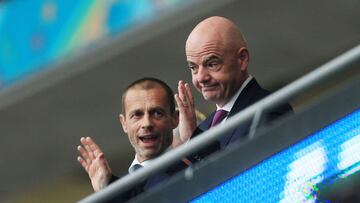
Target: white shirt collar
x=145, y=163
x=136, y=162
x=228, y=106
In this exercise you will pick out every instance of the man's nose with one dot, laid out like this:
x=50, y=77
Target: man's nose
x=146, y=121
x=203, y=74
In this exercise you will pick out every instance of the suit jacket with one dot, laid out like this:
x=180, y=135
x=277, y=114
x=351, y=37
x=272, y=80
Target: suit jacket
x=148, y=183
x=250, y=95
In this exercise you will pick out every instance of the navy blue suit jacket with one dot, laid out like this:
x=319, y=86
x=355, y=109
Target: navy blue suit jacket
x=250, y=95
x=148, y=183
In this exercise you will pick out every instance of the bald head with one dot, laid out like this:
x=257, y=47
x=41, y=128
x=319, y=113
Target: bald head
x=218, y=58
x=219, y=28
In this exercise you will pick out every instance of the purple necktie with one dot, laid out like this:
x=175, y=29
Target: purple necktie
x=218, y=117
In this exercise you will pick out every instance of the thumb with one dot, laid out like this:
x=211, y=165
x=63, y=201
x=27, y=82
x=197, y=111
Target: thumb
x=101, y=158
x=103, y=162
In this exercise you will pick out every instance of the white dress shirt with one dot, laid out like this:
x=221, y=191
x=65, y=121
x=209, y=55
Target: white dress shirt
x=228, y=106
x=145, y=163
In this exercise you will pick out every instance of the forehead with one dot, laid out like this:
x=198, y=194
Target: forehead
x=200, y=49
x=141, y=99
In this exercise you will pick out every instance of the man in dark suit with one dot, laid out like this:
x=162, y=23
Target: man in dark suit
x=148, y=118
x=218, y=59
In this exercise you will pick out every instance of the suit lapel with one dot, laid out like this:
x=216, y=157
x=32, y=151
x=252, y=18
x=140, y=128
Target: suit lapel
x=248, y=96
x=205, y=125
x=245, y=99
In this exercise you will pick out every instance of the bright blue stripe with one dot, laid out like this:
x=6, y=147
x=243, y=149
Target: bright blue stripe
x=266, y=181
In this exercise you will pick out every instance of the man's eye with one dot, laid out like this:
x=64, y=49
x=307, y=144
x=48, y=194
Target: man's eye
x=191, y=65
x=135, y=115
x=158, y=113
x=213, y=65
x=193, y=68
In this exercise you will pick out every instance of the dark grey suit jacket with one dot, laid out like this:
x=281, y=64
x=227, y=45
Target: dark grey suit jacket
x=250, y=95
x=148, y=184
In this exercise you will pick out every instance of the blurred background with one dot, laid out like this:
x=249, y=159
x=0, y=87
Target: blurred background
x=64, y=65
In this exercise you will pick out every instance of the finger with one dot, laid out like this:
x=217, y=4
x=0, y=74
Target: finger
x=181, y=90
x=179, y=103
x=84, y=144
x=84, y=154
x=83, y=141
x=177, y=99
x=91, y=155
x=90, y=141
x=93, y=146
x=183, y=95
x=83, y=163
x=87, y=142
x=102, y=161
x=86, y=148
x=189, y=94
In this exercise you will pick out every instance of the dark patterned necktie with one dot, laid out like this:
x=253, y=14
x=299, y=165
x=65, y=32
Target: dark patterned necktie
x=137, y=167
x=218, y=117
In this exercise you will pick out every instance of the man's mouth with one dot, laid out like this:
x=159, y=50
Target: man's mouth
x=208, y=88
x=148, y=138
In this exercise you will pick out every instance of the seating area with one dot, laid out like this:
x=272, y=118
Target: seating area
x=65, y=65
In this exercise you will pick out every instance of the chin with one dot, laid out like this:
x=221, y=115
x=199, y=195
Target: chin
x=207, y=96
x=152, y=154
x=212, y=98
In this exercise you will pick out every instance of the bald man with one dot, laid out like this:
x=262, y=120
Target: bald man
x=218, y=58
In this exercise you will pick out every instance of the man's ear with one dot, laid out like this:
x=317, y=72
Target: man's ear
x=175, y=119
x=123, y=123
x=243, y=58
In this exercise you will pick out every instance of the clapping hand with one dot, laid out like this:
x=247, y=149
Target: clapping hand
x=187, y=116
x=93, y=161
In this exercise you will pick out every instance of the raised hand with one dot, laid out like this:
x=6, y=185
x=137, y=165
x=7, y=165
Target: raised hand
x=187, y=116
x=93, y=161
